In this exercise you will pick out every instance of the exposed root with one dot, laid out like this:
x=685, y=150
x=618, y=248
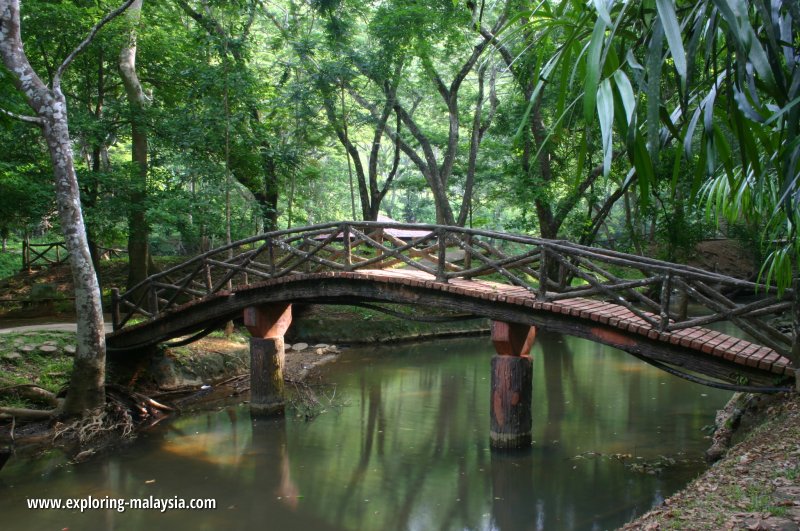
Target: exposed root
x=114, y=419
x=727, y=421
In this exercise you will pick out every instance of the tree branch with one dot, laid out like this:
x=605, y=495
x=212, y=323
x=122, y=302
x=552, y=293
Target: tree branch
x=27, y=119
x=568, y=203
x=87, y=41
x=395, y=162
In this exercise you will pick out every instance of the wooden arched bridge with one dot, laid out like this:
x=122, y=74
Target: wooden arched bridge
x=658, y=311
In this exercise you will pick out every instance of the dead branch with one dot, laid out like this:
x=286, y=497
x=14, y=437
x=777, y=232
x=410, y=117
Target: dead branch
x=31, y=392
x=18, y=413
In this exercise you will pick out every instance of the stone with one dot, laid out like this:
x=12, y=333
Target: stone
x=12, y=356
x=319, y=351
x=321, y=345
x=28, y=348
x=300, y=346
x=48, y=348
x=70, y=349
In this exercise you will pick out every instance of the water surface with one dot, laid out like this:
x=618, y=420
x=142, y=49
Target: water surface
x=404, y=444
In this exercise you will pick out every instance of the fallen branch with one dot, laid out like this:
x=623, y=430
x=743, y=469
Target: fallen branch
x=18, y=413
x=32, y=392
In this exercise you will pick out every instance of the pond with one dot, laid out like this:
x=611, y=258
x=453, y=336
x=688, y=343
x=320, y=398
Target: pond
x=403, y=444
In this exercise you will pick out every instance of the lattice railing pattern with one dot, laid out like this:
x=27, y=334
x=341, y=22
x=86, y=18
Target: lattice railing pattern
x=656, y=291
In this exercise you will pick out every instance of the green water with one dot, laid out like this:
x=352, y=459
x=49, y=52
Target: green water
x=403, y=445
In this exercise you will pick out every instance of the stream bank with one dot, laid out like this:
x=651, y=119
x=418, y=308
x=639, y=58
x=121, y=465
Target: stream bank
x=755, y=485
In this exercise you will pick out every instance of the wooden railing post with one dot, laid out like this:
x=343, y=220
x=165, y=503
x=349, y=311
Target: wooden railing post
x=271, y=252
x=379, y=239
x=115, y=314
x=26, y=264
x=152, y=296
x=441, y=235
x=209, y=282
x=468, y=252
x=543, y=267
x=666, y=292
x=348, y=251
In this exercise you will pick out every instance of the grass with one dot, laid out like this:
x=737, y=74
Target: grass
x=50, y=371
x=10, y=263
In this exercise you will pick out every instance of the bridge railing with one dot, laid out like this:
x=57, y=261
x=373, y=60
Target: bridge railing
x=660, y=293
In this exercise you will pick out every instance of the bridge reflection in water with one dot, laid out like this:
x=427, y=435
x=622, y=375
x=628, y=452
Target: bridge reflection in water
x=405, y=447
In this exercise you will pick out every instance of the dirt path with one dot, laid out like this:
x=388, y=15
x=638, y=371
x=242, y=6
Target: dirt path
x=39, y=325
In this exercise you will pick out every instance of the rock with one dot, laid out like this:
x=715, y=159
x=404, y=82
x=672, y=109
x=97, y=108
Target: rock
x=48, y=348
x=70, y=349
x=53, y=343
x=12, y=356
x=319, y=351
x=28, y=348
x=300, y=346
x=321, y=345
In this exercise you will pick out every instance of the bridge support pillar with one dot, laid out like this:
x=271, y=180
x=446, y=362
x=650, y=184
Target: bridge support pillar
x=512, y=386
x=267, y=324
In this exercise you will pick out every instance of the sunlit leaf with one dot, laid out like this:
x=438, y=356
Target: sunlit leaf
x=672, y=30
x=626, y=93
x=593, y=69
x=605, y=112
x=602, y=11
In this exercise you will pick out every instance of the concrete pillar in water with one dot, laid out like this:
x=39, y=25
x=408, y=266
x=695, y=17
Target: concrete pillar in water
x=512, y=386
x=267, y=325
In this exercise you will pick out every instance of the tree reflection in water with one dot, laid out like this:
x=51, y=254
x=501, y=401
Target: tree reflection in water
x=408, y=451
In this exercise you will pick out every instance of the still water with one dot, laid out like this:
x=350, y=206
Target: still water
x=403, y=445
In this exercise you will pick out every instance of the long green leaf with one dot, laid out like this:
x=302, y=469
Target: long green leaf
x=672, y=29
x=654, y=88
x=644, y=169
x=602, y=11
x=687, y=141
x=605, y=111
x=593, y=69
x=626, y=93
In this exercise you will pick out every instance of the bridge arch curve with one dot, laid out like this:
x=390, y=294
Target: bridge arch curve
x=598, y=321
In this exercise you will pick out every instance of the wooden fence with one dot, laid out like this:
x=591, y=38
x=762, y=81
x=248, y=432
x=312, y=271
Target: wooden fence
x=55, y=253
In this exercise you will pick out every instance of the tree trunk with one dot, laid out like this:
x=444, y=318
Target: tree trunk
x=86, y=391
x=138, y=228
x=268, y=200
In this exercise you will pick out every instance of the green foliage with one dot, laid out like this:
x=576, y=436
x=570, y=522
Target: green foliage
x=674, y=103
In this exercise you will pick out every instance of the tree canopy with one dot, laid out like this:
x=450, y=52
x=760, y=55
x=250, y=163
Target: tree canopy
x=645, y=126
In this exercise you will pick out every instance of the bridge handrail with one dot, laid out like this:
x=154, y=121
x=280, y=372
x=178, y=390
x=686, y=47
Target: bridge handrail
x=548, y=268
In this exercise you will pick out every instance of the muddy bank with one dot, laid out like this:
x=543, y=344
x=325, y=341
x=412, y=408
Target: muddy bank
x=756, y=485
